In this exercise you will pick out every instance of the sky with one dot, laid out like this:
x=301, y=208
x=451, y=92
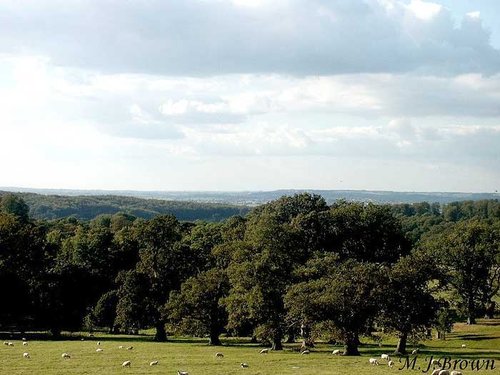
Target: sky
x=250, y=94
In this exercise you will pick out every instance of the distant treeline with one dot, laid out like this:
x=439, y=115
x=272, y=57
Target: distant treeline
x=89, y=207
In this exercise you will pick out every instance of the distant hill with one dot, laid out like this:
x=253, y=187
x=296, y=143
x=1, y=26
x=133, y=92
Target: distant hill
x=200, y=205
x=90, y=206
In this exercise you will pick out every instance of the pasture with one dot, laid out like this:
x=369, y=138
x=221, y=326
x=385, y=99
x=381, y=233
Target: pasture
x=482, y=341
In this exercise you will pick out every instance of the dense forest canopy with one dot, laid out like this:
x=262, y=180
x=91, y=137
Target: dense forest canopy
x=295, y=266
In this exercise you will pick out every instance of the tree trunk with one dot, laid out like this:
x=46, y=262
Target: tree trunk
x=351, y=344
x=56, y=332
x=214, y=337
x=471, y=311
x=490, y=310
x=290, y=336
x=276, y=342
x=254, y=340
x=161, y=334
x=401, y=348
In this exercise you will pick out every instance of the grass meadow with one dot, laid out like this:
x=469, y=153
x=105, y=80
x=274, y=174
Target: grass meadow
x=195, y=356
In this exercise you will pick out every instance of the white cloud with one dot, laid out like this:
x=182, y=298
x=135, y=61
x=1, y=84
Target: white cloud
x=424, y=10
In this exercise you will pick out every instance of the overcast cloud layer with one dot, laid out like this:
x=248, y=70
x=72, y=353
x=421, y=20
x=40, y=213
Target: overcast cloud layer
x=242, y=95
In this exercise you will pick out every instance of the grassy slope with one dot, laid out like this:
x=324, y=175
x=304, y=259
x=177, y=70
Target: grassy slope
x=483, y=341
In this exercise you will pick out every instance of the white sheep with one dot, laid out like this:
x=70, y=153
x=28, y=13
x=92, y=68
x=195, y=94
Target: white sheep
x=98, y=343
x=385, y=356
x=264, y=351
x=26, y=355
x=414, y=352
x=219, y=355
x=153, y=363
x=390, y=364
x=126, y=364
x=444, y=372
x=130, y=348
x=65, y=355
x=464, y=346
x=307, y=351
x=120, y=347
x=99, y=350
x=337, y=352
x=373, y=361
x=244, y=365
x=10, y=344
x=456, y=373
x=182, y=373
x=5, y=343
x=25, y=343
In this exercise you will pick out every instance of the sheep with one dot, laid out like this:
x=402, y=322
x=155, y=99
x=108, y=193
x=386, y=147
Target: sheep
x=98, y=343
x=264, y=351
x=464, y=346
x=414, y=352
x=244, y=365
x=444, y=372
x=25, y=343
x=99, y=350
x=456, y=373
x=385, y=356
x=10, y=344
x=153, y=363
x=5, y=343
x=219, y=355
x=373, y=361
x=182, y=373
x=126, y=364
x=65, y=355
x=337, y=352
x=390, y=364
x=307, y=351
x=26, y=355
x=130, y=348
x=121, y=347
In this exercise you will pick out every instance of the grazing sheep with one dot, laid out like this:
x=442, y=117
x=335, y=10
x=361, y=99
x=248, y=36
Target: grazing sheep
x=385, y=356
x=244, y=365
x=126, y=364
x=444, y=372
x=182, y=373
x=414, y=352
x=99, y=350
x=456, y=373
x=121, y=347
x=264, y=351
x=98, y=343
x=25, y=343
x=5, y=343
x=65, y=355
x=337, y=352
x=390, y=364
x=219, y=355
x=10, y=344
x=464, y=346
x=130, y=348
x=154, y=363
x=307, y=351
x=373, y=361
x=26, y=355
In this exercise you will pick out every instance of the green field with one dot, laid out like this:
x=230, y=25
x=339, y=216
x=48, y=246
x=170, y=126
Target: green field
x=482, y=342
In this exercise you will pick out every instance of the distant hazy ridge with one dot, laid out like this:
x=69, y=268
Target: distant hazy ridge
x=203, y=205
